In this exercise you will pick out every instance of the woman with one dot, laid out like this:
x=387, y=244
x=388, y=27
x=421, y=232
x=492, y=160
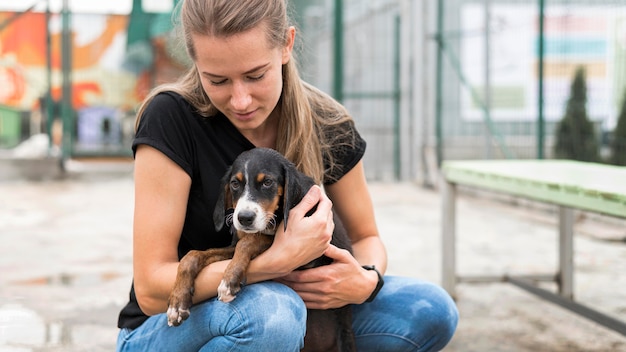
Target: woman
x=243, y=91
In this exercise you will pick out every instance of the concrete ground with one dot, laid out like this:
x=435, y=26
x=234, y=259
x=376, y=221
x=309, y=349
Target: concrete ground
x=66, y=265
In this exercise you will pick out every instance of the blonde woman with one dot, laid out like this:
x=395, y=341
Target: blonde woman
x=243, y=91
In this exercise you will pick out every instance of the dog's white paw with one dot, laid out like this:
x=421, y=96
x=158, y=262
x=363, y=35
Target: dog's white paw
x=175, y=316
x=224, y=293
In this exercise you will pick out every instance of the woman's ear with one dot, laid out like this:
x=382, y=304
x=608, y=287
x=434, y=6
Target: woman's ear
x=288, y=48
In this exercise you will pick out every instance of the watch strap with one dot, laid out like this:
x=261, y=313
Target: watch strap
x=379, y=285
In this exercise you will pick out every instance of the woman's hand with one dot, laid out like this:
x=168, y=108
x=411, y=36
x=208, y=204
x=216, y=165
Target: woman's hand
x=306, y=237
x=332, y=286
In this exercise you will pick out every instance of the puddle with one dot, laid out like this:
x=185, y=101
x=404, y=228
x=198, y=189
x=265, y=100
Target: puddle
x=25, y=330
x=72, y=280
x=21, y=327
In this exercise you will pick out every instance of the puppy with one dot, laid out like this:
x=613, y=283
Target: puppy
x=258, y=190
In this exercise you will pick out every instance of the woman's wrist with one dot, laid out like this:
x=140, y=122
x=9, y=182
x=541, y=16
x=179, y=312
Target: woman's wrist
x=268, y=266
x=378, y=282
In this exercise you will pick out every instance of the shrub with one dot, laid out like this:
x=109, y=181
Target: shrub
x=575, y=135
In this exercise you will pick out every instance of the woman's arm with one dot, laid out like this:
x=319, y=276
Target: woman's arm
x=353, y=203
x=344, y=281
x=161, y=194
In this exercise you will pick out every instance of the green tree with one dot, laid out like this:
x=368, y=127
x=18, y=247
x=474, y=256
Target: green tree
x=575, y=135
x=618, y=143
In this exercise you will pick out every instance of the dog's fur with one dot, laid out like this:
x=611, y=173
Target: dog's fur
x=260, y=188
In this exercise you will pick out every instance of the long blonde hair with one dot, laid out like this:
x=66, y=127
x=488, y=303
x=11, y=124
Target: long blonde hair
x=306, y=113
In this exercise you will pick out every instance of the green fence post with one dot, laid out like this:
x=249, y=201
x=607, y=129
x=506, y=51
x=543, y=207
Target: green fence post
x=49, y=104
x=338, y=52
x=396, y=99
x=540, y=73
x=439, y=84
x=67, y=113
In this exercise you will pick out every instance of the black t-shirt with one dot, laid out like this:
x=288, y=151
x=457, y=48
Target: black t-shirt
x=204, y=147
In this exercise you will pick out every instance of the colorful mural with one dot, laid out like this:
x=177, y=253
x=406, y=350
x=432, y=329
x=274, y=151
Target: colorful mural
x=110, y=76
x=99, y=47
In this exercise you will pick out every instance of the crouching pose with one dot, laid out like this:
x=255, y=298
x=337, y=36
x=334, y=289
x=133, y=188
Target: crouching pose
x=243, y=91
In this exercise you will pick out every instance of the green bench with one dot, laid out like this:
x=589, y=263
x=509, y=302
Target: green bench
x=568, y=184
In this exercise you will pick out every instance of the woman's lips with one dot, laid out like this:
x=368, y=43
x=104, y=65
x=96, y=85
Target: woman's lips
x=244, y=116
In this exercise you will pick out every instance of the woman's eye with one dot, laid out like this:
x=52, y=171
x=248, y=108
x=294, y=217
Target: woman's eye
x=257, y=78
x=218, y=83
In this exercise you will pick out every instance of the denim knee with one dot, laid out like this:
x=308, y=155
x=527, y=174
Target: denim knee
x=272, y=315
x=407, y=315
x=444, y=323
x=264, y=317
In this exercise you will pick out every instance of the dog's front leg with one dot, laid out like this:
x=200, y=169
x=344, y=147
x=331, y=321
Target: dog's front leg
x=189, y=267
x=248, y=247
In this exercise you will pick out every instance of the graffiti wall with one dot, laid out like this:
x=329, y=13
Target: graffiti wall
x=109, y=77
x=98, y=49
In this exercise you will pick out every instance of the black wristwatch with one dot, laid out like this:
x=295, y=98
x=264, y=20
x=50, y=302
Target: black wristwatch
x=379, y=285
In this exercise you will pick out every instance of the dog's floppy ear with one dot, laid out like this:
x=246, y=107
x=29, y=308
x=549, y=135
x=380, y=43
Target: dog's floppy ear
x=296, y=186
x=224, y=201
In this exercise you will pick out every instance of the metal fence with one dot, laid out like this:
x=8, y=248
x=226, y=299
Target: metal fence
x=506, y=69
x=354, y=55
x=425, y=80
x=460, y=79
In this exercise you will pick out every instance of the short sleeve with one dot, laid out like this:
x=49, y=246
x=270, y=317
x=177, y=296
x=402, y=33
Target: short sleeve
x=347, y=150
x=165, y=127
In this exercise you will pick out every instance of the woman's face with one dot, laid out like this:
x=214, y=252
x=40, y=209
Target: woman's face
x=242, y=74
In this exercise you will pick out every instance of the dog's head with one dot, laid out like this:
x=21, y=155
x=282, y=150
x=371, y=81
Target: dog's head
x=261, y=186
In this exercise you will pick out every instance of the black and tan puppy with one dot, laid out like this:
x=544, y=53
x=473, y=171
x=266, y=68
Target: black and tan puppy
x=259, y=189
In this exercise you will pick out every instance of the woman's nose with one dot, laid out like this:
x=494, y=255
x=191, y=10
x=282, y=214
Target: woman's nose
x=240, y=98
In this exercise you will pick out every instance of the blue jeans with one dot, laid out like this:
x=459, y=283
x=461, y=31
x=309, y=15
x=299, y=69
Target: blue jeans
x=407, y=315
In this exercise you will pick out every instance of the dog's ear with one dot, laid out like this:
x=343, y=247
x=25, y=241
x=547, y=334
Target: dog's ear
x=224, y=201
x=296, y=186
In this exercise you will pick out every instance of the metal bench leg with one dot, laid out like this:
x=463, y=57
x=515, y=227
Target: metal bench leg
x=565, y=276
x=448, y=245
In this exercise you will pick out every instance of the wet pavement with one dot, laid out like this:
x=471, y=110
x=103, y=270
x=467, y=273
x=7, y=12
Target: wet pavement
x=66, y=265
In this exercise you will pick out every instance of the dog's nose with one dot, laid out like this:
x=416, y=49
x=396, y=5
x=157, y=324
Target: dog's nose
x=246, y=217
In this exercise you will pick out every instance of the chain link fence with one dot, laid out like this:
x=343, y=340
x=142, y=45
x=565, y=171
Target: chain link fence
x=425, y=80
x=358, y=63
x=498, y=58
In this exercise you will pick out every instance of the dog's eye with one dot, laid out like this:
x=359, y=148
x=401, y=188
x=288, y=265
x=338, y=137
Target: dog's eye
x=234, y=184
x=268, y=183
